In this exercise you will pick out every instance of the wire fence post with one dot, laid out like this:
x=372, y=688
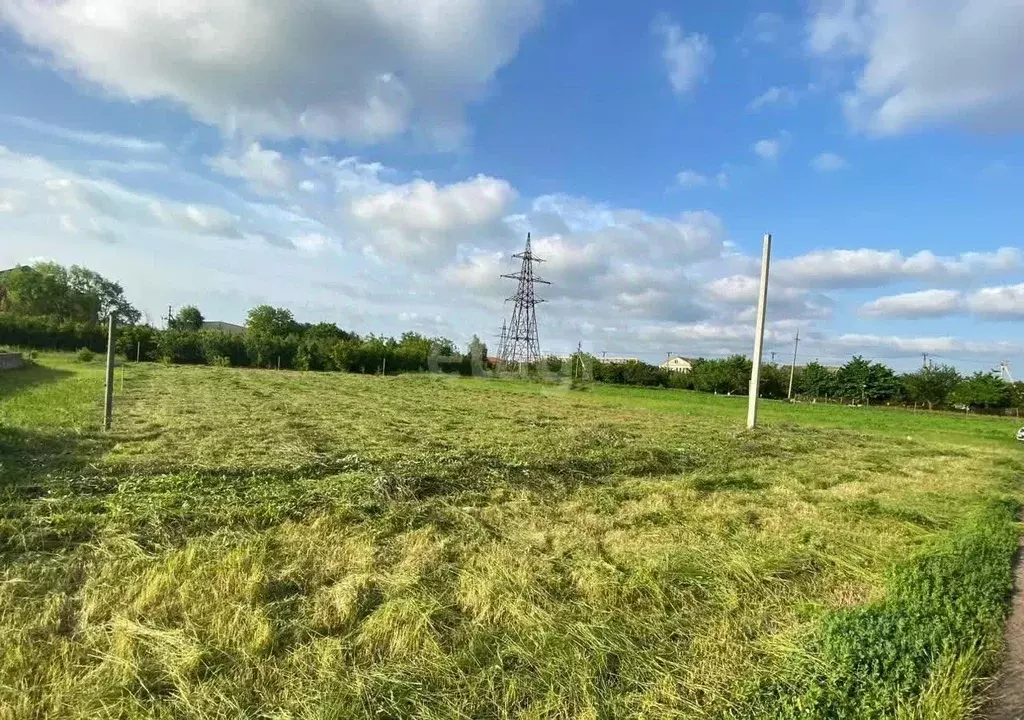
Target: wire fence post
x=108, y=400
x=762, y=303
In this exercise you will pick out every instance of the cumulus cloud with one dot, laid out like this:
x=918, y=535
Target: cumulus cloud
x=927, y=63
x=361, y=70
x=766, y=28
x=770, y=149
x=873, y=268
x=422, y=221
x=828, y=162
x=774, y=96
x=265, y=170
x=926, y=303
x=686, y=57
x=998, y=303
x=909, y=346
x=603, y=259
x=695, y=179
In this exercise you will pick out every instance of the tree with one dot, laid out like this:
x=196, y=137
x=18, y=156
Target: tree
x=729, y=376
x=109, y=295
x=67, y=294
x=267, y=320
x=817, y=380
x=188, y=318
x=981, y=390
x=1017, y=395
x=866, y=381
x=931, y=385
x=271, y=336
x=774, y=381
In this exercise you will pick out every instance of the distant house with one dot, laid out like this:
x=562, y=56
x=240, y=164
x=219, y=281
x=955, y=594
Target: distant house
x=618, y=359
x=224, y=327
x=677, y=363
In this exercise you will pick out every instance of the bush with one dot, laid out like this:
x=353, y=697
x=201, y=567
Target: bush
x=85, y=355
x=50, y=334
x=224, y=345
x=181, y=346
x=138, y=342
x=220, y=361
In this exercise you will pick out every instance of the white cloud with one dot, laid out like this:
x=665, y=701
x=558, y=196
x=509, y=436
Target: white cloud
x=692, y=179
x=103, y=140
x=362, y=70
x=311, y=243
x=988, y=303
x=197, y=219
x=998, y=303
x=828, y=162
x=604, y=261
x=265, y=170
x=767, y=28
x=909, y=346
x=421, y=221
x=925, y=63
x=926, y=303
x=774, y=96
x=686, y=57
x=872, y=268
x=768, y=149
x=783, y=302
x=695, y=179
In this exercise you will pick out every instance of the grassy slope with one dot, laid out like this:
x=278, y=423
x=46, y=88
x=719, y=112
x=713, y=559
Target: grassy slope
x=275, y=544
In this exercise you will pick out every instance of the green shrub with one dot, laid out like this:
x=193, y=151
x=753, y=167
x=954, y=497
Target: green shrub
x=85, y=355
x=224, y=345
x=47, y=333
x=181, y=346
x=943, y=605
x=220, y=361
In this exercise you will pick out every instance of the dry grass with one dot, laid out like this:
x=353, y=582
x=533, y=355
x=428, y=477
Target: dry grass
x=278, y=545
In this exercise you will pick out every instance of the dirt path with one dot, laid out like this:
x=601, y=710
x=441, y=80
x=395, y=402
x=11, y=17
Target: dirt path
x=1007, y=701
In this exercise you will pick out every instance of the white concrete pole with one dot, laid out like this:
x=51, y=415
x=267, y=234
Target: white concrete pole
x=762, y=305
x=108, y=392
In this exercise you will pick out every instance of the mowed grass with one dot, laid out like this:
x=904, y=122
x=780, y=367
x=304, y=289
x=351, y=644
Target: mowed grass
x=284, y=545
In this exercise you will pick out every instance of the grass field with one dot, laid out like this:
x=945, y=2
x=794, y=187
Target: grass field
x=284, y=545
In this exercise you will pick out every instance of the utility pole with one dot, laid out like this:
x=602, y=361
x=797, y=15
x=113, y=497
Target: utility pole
x=773, y=357
x=924, y=360
x=762, y=306
x=108, y=399
x=792, y=368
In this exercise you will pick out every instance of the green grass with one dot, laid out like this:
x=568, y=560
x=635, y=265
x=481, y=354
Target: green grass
x=277, y=544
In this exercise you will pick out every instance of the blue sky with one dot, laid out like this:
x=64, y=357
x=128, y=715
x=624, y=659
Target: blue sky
x=375, y=162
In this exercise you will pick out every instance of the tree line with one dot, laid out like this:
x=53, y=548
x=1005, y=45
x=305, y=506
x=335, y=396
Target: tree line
x=48, y=306
x=859, y=381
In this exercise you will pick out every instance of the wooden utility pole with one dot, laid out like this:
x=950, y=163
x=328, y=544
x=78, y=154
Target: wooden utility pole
x=792, y=368
x=762, y=306
x=108, y=400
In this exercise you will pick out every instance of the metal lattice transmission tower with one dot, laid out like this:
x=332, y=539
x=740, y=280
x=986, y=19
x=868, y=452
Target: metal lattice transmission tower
x=522, y=345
